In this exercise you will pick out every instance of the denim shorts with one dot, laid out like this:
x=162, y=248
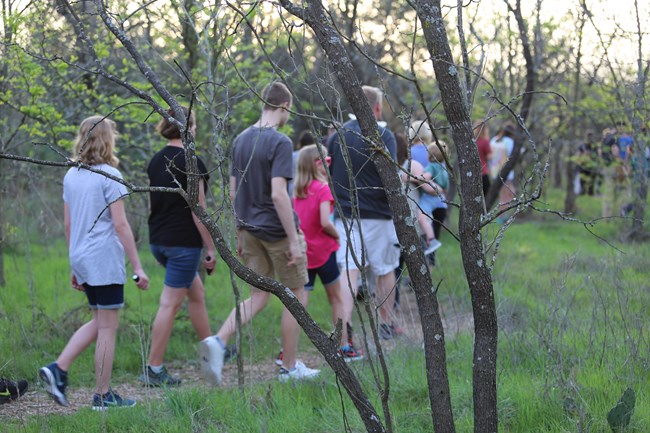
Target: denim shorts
x=181, y=264
x=328, y=273
x=110, y=297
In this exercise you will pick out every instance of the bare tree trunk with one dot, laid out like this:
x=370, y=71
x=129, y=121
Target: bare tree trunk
x=637, y=231
x=331, y=42
x=527, y=101
x=471, y=241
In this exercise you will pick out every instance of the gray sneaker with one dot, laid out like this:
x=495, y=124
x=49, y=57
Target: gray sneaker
x=212, y=356
x=149, y=378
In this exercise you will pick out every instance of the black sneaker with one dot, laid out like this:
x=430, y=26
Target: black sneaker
x=231, y=353
x=149, y=378
x=111, y=400
x=10, y=390
x=55, y=381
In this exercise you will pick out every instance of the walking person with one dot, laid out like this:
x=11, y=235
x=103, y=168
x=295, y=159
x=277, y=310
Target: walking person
x=268, y=239
x=98, y=234
x=502, y=145
x=482, y=137
x=176, y=238
x=360, y=194
x=314, y=204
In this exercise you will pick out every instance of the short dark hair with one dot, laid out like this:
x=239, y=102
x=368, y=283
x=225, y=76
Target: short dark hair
x=305, y=139
x=168, y=129
x=276, y=94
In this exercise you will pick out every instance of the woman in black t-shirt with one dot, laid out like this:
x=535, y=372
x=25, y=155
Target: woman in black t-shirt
x=176, y=238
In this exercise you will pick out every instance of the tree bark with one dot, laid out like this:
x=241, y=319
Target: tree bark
x=526, y=103
x=331, y=42
x=471, y=241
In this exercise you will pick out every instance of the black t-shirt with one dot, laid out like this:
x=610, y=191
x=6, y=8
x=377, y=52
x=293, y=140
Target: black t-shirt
x=170, y=220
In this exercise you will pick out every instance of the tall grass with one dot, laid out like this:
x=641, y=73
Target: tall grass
x=572, y=313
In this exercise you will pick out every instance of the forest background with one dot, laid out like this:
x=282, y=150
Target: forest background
x=555, y=75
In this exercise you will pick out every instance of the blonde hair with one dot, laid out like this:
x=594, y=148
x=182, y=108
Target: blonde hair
x=419, y=131
x=95, y=143
x=435, y=153
x=306, y=171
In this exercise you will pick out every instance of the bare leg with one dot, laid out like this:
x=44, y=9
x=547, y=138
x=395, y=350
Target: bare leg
x=386, y=296
x=249, y=308
x=107, y=321
x=291, y=333
x=334, y=296
x=171, y=300
x=196, y=309
x=349, y=287
x=79, y=341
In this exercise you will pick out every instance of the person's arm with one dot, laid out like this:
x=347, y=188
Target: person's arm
x=282, y=204
x=233, y=188
x=422, y=179
x=326, y=222
x=66, y=224
x=206, y=237
x=123, y=230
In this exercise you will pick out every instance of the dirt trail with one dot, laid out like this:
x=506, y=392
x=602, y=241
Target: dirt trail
x=37, y=402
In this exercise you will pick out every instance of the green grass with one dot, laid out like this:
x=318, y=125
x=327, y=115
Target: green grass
x=573, y=328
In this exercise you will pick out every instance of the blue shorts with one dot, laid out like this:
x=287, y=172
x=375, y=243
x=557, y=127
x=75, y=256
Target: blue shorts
x=328, y=273
x=110, y=297
x=181, y=264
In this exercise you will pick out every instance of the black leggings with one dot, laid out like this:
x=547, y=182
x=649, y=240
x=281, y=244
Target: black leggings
x=439, y=215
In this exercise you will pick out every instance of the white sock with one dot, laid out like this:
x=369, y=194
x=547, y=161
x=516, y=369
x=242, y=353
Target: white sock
x=156, y=368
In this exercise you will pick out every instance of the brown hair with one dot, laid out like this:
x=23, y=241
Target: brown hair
x=481, y=129
x=435, y=154
x=168, y=129
x=276, y=94
x=95, y=143
x=402, y=147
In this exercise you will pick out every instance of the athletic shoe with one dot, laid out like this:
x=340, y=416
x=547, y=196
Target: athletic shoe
x=212, y=356
x=55, y=381
x=231, y=353
x=278, y=360
x=349, y=353
x=433, y=246
x=111, y=400
x=10, y=390
x=299, y=372
x=163, y=378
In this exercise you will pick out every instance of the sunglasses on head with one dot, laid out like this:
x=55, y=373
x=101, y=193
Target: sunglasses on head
x=328, y=160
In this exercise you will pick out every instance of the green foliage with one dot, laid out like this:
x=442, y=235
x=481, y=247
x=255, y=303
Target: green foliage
x=572, y=313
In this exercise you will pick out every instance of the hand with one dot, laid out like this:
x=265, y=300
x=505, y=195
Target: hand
x=239, y=246
x=294, y=253
x=75, y=284
x=140, y=278
x=209, y=262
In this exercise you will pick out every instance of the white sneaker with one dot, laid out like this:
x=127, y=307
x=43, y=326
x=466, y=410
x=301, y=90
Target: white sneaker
x=299, y=372
x=212, y=355
x=433, y=245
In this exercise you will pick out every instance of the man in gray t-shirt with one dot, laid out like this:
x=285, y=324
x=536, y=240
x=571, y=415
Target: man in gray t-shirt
x=268, y=240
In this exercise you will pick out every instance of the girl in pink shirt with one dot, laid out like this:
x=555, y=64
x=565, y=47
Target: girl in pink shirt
x=314, y=203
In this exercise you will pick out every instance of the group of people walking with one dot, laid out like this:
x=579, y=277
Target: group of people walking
x=606, y=167
x=290, y=237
